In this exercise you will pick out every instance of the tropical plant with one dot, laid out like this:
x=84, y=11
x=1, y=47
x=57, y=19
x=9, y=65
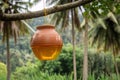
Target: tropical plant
x=31, y=72
x=3, y=71
x=63, y=18
x=13, y=29
x=28, y=15
x=107, y=37
x=99, y=64
x=85, y=41
x=67, y=17
x=104, y=33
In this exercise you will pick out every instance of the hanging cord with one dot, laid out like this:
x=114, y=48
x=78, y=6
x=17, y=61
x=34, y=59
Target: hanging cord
x=45, y=11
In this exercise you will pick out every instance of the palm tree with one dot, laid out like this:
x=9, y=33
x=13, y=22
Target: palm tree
x=85, y=41
x=100, y=32
x=73, y=42
x=63, y=18
x=106, y=35
x=12, y=29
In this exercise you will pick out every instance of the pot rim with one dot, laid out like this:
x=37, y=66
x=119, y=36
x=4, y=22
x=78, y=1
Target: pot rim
x=45, y=26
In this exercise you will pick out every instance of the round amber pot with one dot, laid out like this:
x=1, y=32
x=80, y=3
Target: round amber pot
x=46, y=43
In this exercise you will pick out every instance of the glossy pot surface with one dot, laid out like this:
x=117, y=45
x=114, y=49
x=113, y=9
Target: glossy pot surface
x=46, y=43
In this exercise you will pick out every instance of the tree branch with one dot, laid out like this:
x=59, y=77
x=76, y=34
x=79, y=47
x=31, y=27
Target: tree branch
x=35, y=14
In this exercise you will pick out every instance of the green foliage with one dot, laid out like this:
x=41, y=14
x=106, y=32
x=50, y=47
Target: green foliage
x=3, y=71
x=22, y=72
x=99, y=63
x=103, y=77
x=106, y=34
x=65, y=19
x=118, y=62
x=35, y=22
x=32, y=72
x=20, y=53
x=46, y=76
x=102, y=8
x=63, y=64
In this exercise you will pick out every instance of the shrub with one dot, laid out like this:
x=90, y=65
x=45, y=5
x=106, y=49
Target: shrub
x=31, y=72
x=99, y=63
x=3, y=71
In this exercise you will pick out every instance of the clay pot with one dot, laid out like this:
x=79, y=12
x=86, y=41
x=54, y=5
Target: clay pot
x=46, y=43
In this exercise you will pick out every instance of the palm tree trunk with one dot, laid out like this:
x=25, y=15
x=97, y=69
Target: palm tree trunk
x=85, y=61
x=8, y=57
x=73, y=42
x=116, y=67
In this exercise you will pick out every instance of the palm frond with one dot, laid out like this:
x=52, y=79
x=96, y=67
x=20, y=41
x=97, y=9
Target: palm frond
x=15, y=31
x=65, y=21
x=28, y=26
x=33, y=2
x=63, y=18
x=22, y=28
x=56, y=18
x=52, y=2
x=16, y=28
x=1, y=26
x=107, y=38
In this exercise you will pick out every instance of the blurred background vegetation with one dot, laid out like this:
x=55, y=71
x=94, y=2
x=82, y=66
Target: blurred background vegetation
x=24, y=65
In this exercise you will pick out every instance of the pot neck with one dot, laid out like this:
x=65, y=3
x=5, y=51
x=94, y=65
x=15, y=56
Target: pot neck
x=46, y=26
